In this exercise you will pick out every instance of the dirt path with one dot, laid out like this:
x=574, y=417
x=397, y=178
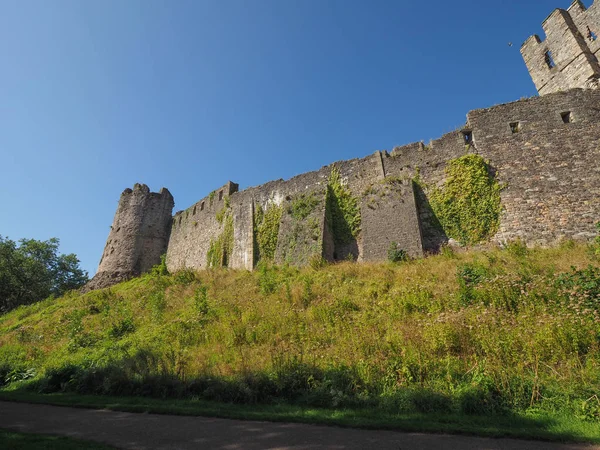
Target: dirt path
x=152, y=431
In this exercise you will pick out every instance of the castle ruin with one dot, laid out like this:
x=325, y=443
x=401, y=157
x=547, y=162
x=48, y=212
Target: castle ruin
x=544, y=151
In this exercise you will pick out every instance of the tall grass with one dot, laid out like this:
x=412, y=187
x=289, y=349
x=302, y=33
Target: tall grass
x=488, y=333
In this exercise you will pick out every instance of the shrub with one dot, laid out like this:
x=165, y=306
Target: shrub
x=396, y=254
x=185, y=277
x=517, y=248
x=469, y=275
x=122, y=327
x=160, y=269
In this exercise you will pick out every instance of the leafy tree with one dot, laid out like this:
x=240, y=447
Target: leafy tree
x=34, y=270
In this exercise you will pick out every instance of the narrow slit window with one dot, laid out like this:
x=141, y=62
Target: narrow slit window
x=194, y=213
x=515, y=127
x=202, y=206
x=468, y=137
x=220, y=195
x=566, y=117
x=549, y=60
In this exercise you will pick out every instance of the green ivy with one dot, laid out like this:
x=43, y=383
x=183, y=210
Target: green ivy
x=468, y=206
x=343, y=211
x=220, y=249
x=303, y=205
x=266, y=231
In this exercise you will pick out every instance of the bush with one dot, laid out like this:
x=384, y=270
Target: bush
x=122, y=327
x=396, y=254
x=469, y=276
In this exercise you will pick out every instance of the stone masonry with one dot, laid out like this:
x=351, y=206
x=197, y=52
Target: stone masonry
x=138, y=236
x=568, y=57
x=544, y=150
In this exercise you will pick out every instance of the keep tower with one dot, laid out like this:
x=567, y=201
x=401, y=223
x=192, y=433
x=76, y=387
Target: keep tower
x=568, y=57
x=138, y=236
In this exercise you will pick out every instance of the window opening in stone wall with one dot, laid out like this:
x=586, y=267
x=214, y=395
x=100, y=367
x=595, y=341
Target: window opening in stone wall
x=468, y=137
x=194, y=212
x=220, y=195
x=591, y=35
x=566, y=117
x=202, y=206
x=549, y=60
x=515, y=127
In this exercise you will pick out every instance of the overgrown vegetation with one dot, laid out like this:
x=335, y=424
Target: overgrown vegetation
x=343, y=210
x=34, y=270
x=266, y=231
x=300, y=239
x=492, y=333
x=303, y=205
x=396, y=254
x=468, y=206
x=221, y=248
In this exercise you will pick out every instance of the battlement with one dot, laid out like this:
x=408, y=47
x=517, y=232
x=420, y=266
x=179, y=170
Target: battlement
x=543, y=150
x=568, y=57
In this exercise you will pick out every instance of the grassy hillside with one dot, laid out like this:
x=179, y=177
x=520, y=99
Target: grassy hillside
x=488, y=333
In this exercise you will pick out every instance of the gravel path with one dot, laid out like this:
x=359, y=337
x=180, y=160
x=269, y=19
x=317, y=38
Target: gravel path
x=153, y=431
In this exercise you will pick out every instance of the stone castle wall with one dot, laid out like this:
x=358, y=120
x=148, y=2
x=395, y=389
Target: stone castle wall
x=544, y=150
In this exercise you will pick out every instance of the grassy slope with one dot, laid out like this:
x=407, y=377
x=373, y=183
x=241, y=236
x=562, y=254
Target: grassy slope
x=505, y=351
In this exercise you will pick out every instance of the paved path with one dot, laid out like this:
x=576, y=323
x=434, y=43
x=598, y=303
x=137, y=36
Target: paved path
x=153, y=431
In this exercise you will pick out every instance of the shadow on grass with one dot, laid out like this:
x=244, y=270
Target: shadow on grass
x=24, y=441
x=549, y=428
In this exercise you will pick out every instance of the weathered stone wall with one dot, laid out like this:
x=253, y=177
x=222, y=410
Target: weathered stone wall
x=568, y=48
x=194, y=229
x=544, y=150
x=389, y=214
x=550, y=168
x=427, y=163
x=301, y=238
x=138, y=236
x=586, y=21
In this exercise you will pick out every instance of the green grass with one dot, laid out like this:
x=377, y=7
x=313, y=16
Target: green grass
x=495, y=342
x=525, y=426
x=23, y=441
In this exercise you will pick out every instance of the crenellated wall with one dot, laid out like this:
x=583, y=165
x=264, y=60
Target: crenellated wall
x=543, y=150
x=568, y=57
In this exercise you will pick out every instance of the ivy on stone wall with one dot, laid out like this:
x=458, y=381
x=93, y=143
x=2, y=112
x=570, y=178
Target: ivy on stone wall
x=343, y=211
x=468, y=205
x=266, y=231
x=221, y=248
x=303, y=205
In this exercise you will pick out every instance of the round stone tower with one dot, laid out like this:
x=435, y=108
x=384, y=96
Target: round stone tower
x=138, y=236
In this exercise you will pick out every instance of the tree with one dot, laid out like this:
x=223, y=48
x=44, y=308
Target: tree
x=34, y=270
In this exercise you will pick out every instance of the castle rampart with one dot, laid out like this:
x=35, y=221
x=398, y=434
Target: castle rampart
x=543, y=150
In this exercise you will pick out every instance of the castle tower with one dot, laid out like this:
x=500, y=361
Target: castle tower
x=138, y=236
x=568, y=58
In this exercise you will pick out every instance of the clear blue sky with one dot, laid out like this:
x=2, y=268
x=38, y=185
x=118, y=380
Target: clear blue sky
x=98, y=95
